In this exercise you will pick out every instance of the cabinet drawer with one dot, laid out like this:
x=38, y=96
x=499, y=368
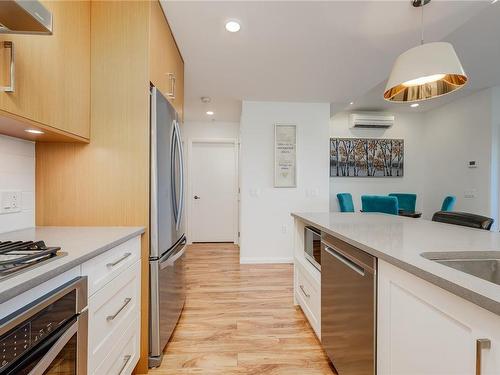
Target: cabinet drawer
x=111, y=310
x=309, y=297
x=105, y=267
x=124, y=355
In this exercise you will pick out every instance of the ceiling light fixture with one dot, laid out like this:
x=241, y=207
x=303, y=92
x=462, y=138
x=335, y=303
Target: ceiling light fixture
x=210, y=113
x=233, y=26
x=34, y=131
x=351, y=103
x=414, y=105
x=426, y=71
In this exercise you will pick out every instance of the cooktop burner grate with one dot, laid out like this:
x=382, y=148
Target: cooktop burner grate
x=17, y=255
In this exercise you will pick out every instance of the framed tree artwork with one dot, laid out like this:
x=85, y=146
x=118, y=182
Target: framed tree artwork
x=366, y=157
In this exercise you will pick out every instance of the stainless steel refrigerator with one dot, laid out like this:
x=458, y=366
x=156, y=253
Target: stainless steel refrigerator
x=167, y=238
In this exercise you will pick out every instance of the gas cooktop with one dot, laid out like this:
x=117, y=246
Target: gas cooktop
x=16, y=256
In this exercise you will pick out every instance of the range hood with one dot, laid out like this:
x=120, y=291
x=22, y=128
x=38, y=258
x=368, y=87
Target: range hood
x=24, y=17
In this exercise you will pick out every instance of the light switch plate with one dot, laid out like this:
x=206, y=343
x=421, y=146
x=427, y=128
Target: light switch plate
x=10, y=202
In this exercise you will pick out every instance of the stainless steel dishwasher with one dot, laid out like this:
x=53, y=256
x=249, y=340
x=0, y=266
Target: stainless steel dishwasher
x=348, y=307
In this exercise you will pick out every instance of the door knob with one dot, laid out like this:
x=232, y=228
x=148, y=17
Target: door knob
x=196, y=197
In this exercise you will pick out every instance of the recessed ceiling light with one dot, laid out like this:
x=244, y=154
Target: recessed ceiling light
x=494, y=1
x=34, y=131
x=414, y=105
x=233, y=26
x=210, y=113
x=351, y=103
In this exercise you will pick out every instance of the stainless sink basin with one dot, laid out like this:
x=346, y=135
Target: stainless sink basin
x=483, y=265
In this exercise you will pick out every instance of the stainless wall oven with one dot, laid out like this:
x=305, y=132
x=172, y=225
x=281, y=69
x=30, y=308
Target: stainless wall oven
x=312, y=246
x=49, y=335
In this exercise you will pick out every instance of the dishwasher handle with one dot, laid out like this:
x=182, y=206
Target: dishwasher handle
x=346, y=261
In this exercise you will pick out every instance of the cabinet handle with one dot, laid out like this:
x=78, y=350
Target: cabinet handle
x=125, y=256
x=125, y=303
x=171, y=94
x=125, y=363
x=480, y=345
x=303, y=291
x=10, y=88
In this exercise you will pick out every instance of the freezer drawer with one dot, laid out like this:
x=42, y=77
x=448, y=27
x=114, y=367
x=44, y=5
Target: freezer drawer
x=348, y=307
x=168, y=294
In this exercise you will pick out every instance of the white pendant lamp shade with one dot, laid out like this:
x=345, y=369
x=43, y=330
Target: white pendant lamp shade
x=425, y=72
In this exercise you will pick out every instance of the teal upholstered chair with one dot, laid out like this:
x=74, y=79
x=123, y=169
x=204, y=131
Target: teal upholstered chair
x=345, y=202
x=406, y=202
x=448, y=203
x=380, y=203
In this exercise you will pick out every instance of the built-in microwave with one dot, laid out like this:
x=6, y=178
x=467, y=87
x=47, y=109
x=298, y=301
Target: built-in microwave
x=312, y=246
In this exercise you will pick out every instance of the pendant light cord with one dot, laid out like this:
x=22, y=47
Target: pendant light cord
x=422, y=3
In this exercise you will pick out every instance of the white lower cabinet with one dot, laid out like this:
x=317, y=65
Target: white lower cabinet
x=124, y=355
x=308, y=296
x=114, y=312
x=423, y=329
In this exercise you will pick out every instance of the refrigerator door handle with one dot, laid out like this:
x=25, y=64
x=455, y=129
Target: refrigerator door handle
x=154, y=183
x=173, y=146
x=181, y=175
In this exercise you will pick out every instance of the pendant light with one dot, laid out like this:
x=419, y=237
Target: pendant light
x=426, y=71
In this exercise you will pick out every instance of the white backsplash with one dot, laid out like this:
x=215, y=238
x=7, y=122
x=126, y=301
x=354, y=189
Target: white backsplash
x=17, y=173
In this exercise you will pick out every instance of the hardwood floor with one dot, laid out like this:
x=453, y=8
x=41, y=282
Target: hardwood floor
x=240, y=319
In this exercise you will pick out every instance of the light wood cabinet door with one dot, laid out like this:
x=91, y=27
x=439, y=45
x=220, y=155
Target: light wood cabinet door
x=52, y=72
x=166, y=66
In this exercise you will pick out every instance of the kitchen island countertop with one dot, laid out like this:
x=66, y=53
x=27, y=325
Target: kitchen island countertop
x=401, y=241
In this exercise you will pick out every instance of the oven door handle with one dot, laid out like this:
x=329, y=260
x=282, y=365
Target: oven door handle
x=51, y=355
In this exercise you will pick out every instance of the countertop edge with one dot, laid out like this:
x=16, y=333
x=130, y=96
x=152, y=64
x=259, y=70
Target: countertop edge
x=458, y=290
x=37, y=280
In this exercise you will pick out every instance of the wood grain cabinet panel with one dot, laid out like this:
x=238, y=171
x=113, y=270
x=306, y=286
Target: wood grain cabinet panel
x=52, y=73
x=166, y=66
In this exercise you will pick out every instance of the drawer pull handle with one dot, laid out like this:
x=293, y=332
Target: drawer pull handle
x=125, y=256
x=125, y=303
x=126, y=359
x=303, y=291
x=480, y=345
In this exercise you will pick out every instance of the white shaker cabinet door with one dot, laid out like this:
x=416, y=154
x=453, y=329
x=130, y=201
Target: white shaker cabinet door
x=423, y=329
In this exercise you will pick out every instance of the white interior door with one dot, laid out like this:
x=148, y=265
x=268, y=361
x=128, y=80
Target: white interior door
x=213, y=192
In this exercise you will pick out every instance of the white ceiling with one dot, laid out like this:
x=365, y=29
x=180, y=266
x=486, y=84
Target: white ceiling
x=304, y=51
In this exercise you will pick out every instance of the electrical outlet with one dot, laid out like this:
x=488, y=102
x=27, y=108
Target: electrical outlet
x=10, y=202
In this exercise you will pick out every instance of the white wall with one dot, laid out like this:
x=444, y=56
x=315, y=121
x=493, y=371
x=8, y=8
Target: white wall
x=266, y=224
x=495, y=157
x=17, y=173
x=455, y=134
x=407, y=126
x=210, y=129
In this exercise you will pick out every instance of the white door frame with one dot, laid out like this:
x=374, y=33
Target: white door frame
x=189, y=194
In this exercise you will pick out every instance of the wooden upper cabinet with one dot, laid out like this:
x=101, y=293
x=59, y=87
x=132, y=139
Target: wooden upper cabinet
x=52, y=76
x=165, y=61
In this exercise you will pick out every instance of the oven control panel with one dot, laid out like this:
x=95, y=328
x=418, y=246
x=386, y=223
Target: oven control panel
x=18, y=341
x=14, y=345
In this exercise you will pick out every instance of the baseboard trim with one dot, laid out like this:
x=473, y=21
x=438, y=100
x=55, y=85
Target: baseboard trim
x=269, y=260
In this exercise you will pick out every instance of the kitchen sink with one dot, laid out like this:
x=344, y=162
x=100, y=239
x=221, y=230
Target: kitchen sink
x=483, y=265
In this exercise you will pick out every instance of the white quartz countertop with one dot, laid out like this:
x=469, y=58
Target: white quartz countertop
x=400, y=241
x=79, y=243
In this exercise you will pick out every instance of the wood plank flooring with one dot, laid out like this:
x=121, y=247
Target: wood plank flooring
x=240, y=319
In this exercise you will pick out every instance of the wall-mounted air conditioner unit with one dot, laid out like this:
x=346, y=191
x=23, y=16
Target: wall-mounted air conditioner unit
x=371, y=120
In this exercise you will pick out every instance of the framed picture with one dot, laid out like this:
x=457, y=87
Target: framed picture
x=285, y=155
x=366, y=157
